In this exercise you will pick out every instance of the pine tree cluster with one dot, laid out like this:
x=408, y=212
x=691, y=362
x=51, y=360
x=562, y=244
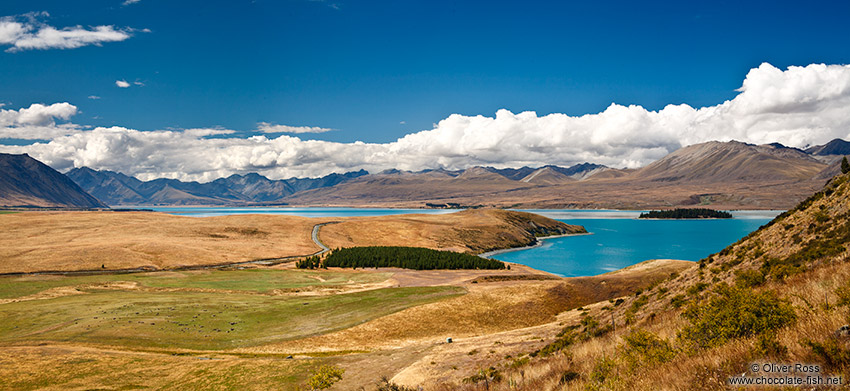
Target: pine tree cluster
x=403, y=257
x=687, y=213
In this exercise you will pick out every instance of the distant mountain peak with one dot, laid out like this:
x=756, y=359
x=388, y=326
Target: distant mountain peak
x=730, y=161
x=834, y=147
x=25, y=181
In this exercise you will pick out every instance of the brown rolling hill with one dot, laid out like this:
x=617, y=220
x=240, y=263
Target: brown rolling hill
x=26, y=182
x=473, y=231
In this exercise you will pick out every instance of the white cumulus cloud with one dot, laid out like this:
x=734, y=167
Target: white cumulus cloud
x=122, y=84
x=37, y=121
x=28, y=32
x=266, y=127
x=798, y=106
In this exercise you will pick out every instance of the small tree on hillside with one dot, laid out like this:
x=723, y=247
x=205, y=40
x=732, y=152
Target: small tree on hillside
x=845, y=167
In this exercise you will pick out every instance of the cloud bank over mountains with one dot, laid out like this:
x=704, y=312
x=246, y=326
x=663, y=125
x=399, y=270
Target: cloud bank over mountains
x=798, y=107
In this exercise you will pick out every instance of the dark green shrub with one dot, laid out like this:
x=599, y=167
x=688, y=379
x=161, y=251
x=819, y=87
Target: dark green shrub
x=816, y=249
x=562, y=342
x=568, y=376
x=516, y=363
x=768, y=346
x=830, y=353
x=749, y=278
x=697, y=288
x=843, y=293
x=489, y=375
x=631, y=312
x=386, y=385
x=678, y=301
x=589, y=323
x=734, y=312
x=324, y=377
x=642, y=347
x=602, y=374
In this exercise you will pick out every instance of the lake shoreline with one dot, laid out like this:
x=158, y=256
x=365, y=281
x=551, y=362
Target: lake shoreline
x=538, y=243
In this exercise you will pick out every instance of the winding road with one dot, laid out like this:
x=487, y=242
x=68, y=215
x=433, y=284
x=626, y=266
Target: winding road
x=316, y=240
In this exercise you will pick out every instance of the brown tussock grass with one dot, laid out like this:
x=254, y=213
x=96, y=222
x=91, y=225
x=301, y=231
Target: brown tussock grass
x=37, y=241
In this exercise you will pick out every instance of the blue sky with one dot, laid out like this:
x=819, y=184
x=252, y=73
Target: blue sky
x=288, y=86
x=364, y=67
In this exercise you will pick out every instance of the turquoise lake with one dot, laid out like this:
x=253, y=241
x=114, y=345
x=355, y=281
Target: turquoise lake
x=618, y=238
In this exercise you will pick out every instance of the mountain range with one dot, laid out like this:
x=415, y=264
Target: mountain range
x=722, y=174
x=254, y=189
x=834, y=147
x=118, y=189
x=26, y=182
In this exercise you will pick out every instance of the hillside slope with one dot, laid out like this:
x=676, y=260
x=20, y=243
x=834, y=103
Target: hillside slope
x=731, y=162
x=780, y=295
x=26, y=182
x=473, y=231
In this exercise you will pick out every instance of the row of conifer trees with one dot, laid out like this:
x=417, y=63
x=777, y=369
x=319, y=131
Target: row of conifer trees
x=403, y=257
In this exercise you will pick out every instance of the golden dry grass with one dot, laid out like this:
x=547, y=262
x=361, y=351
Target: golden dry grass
x=66, y=241
x=474, y=231
x=35, y=241
x=62, y=367
x=706, y=369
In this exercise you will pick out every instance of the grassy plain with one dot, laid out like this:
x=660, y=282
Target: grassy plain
x=237, y=314
x=248, y=280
